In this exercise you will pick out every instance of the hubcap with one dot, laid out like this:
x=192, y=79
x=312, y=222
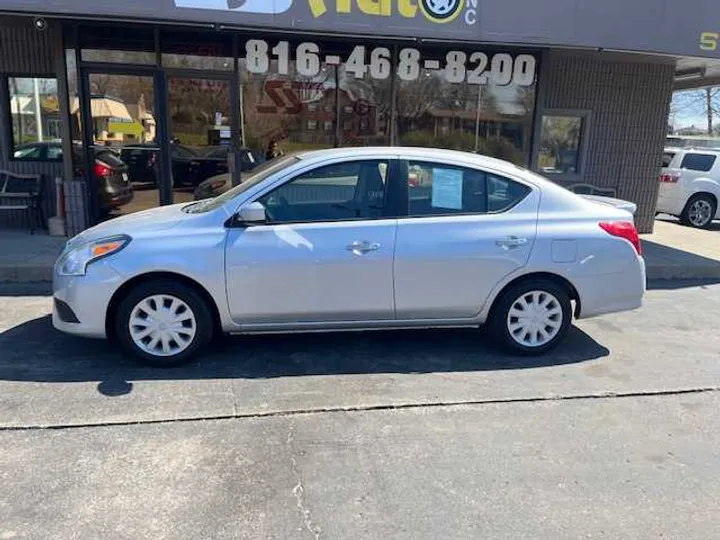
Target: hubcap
x=535, y=318
x=162, y=325
x=700, y=213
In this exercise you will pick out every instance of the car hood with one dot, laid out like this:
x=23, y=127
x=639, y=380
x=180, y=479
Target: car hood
x=615, y=203
x=147, y=221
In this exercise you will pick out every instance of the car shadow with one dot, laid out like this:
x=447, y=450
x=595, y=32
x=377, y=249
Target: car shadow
x=34, y=351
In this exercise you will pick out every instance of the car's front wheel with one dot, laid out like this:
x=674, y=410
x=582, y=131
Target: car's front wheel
x=531, y=317
x=163, y=323
x=699, y=211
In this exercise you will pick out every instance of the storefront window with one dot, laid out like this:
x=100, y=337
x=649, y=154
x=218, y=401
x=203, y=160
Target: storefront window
x=35, y=113
x=311, y=95
x=478, y=101
x=560, y=144
x=115, y=45
x=190, y=50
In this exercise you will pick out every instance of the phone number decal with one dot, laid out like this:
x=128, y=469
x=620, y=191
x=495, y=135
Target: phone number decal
x=500, y=69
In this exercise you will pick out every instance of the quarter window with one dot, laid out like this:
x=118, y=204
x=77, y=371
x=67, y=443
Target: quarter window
x=438, y=189
x=698, y=162
x=342, y=191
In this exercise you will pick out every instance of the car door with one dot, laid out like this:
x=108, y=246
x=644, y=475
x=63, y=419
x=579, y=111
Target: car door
x=465, y=230
x=324, y=254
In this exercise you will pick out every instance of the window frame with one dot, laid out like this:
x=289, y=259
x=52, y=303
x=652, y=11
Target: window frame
x=404, y=176
x=390, y=209
x=585, y=115
x=10, y=150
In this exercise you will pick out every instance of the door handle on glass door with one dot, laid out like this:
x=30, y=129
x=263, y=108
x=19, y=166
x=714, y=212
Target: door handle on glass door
x=511, y=242
x=361, y=248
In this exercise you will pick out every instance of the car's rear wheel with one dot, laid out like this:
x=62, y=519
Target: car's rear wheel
x=699, y=211
x=531, y=317
x=163, y=323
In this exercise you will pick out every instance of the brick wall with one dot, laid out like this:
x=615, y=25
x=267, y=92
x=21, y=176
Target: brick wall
x=629, y=99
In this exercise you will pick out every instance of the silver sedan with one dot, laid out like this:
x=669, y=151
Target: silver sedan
x=362, y=238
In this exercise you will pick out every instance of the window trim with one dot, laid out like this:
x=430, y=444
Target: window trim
x=389, y=211
x=585, y=116
x=405, y=171
x=6, y=76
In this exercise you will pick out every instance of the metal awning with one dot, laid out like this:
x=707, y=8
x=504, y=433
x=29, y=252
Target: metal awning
x=693, y=73
x=105, y=107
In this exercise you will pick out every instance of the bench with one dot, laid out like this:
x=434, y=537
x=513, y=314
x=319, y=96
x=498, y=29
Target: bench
x=22, y=192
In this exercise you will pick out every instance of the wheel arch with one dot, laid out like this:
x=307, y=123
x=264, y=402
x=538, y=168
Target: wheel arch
x=133, y=282
x=550, y=276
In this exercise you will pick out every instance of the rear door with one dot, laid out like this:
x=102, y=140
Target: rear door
x=465, y=230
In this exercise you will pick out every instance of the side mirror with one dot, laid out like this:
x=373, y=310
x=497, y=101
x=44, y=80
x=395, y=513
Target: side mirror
x=252, y=213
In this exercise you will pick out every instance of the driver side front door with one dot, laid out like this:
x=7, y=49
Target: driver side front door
x=324, y=255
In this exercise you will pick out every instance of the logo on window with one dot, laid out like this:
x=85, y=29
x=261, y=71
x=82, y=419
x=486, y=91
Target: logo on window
x=246, y=6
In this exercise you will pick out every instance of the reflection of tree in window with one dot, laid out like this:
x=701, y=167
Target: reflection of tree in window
x=560, y=144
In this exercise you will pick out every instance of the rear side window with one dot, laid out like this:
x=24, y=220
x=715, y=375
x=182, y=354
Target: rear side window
x=108, y=158
x=667, y=158
x=698, y=162
x=437, y=189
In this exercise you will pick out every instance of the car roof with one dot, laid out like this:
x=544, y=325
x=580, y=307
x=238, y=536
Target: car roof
x=697, y=149
x=469, y=158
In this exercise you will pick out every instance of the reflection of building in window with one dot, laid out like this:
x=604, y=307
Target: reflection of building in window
x=560, y=144
x=34, y=109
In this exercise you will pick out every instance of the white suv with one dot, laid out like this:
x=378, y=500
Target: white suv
x=690, y=185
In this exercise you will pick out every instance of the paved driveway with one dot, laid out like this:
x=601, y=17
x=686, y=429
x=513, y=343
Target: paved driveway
x=412, y=435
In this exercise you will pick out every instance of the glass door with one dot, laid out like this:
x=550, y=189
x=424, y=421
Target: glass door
x=121, y=141
x=201, y=135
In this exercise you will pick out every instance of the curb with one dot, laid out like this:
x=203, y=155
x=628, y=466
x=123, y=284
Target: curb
x=26, y=274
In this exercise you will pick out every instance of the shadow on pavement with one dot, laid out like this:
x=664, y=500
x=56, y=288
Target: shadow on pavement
x=34, y=351
x=675, y=284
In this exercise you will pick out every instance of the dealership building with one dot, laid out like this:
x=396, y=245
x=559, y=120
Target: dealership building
x=151, y=91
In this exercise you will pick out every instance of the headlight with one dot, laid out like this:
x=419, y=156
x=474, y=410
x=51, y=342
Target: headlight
x=74, y=262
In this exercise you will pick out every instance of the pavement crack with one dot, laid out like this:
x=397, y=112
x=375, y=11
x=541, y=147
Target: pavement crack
x=299, y=490
x=366, y=408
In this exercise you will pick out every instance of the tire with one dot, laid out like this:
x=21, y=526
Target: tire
x=699, y=211
x=557, y=313
x=184, y=326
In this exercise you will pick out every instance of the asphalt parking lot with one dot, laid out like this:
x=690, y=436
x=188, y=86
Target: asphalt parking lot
x=413, y=434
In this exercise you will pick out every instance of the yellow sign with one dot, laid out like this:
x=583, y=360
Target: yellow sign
x=710, y=41
x=436, y=11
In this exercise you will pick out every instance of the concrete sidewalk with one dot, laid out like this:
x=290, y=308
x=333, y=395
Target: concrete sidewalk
x=677, y=252
x=671, y=252
x=28, y=258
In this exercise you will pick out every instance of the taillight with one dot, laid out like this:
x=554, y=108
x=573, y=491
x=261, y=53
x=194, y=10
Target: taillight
x=667, y=178
x=623, y=229
x=101, y=170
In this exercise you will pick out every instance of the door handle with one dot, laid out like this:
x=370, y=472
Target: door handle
x=511, y=242
x=362, y=247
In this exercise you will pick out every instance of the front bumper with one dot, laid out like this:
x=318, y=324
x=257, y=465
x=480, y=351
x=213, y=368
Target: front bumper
x=87, y=297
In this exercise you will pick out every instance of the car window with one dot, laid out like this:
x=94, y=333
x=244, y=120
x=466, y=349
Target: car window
x=667, y=158
x=109, y=158
x=28, y=152
x=342, y=191
x=439, y=189
x=250, y=180
x=181, y=151
x=698, y=162
x=54, y=153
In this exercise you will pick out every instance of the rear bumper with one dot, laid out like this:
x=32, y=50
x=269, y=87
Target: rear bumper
x=611, y=293
x=115, y=200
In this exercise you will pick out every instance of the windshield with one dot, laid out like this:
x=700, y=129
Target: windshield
x=252, y=178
